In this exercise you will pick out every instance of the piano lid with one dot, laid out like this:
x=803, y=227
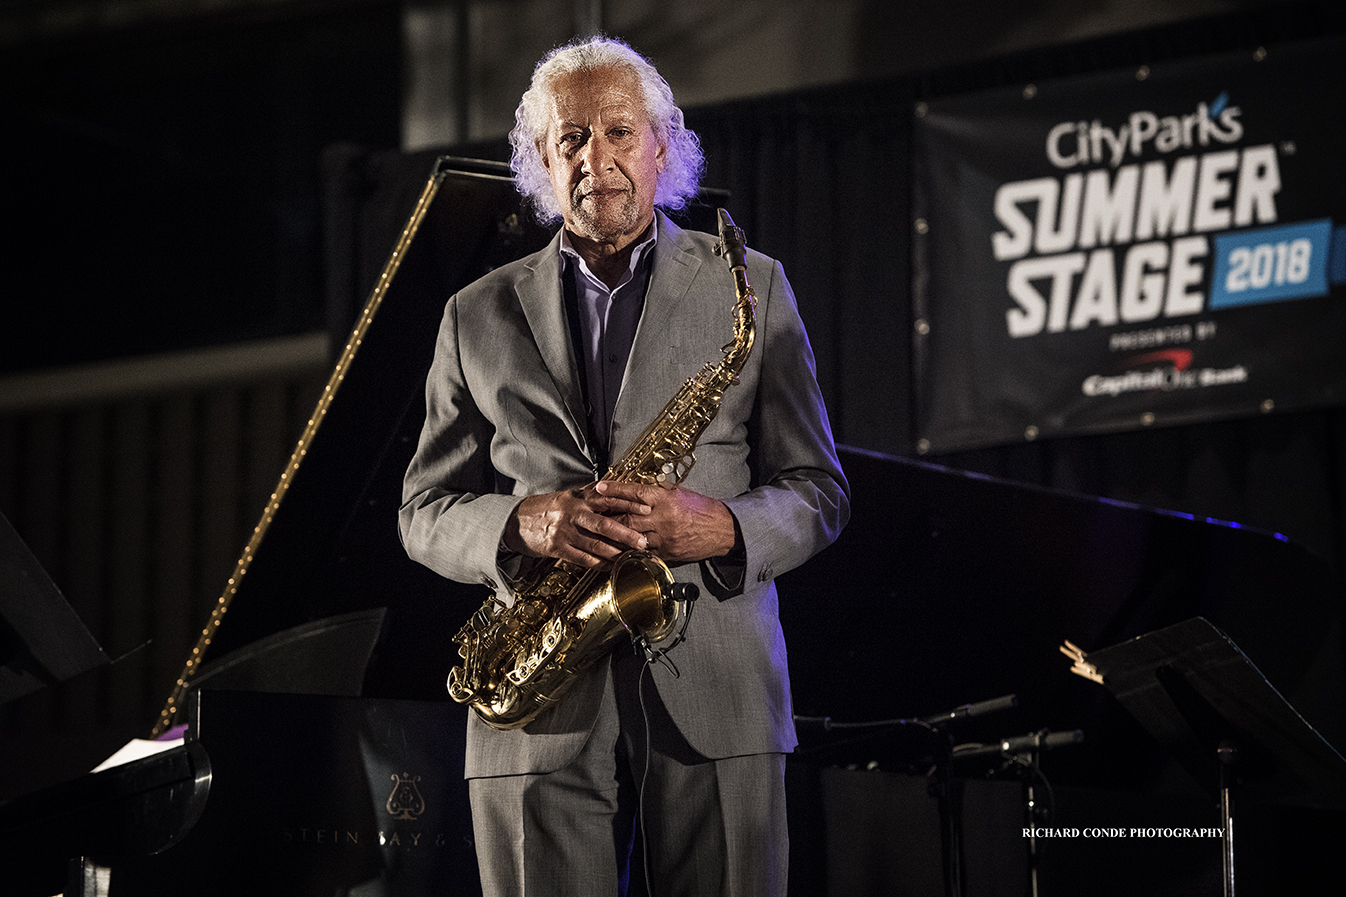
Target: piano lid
x=327, y=544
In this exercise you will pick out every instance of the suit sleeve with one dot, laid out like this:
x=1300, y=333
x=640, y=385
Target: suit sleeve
x=800, y=499
x=452, y=518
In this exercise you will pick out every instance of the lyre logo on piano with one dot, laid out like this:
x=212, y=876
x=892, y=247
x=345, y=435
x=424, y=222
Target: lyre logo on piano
x=405, y=802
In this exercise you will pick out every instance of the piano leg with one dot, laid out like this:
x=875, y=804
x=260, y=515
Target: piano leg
x=85, y=878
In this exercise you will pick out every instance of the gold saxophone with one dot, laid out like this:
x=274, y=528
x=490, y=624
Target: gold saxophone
x=519, y=660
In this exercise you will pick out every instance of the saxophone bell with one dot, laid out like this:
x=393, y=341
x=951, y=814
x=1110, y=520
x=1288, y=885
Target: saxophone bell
x=518, y=661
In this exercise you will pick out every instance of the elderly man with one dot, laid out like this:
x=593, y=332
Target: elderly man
x=545, y=370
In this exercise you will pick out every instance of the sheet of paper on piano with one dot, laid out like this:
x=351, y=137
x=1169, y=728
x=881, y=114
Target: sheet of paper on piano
x=139, y=748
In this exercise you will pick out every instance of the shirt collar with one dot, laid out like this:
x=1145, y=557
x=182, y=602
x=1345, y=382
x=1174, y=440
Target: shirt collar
x=651, y=234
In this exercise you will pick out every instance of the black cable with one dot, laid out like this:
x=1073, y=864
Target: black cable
x=653, y=656
x=645, y=773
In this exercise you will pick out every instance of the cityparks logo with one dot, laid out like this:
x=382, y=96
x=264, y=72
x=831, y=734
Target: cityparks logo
x=1072, y=144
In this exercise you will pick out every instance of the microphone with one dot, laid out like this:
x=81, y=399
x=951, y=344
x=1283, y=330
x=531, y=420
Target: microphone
x=967, y=711
x=1036, y=741
x=684, y=591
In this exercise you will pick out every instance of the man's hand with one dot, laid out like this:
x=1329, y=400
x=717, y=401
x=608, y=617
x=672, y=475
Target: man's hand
x=577, y=525
x=680, y=525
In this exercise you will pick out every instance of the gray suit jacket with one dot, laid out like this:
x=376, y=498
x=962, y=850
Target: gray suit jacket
x=505, y=419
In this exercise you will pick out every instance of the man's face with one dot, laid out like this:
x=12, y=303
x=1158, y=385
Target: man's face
x=602, y=155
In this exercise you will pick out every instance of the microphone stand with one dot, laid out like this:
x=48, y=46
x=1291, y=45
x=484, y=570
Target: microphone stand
x=1023, y=754
x=1033, y=814
x=943, y=786
x=948, y=790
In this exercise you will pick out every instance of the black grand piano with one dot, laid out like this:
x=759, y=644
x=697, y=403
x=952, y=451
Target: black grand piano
x=321, y=755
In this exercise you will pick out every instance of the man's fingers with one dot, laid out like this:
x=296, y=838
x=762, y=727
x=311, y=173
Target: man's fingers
x=590, y=555
x=614, y=532
x=611, y=506
x=621, y=508
x=578, y=525
x=591, y=550
x=635, y=493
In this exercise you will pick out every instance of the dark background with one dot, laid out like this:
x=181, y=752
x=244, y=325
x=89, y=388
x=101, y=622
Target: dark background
x=168, y=185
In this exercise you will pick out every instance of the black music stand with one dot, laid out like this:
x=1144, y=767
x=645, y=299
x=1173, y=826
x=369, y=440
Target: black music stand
x=1192, y=688
x=42, y=640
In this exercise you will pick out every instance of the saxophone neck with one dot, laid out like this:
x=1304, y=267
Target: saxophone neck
x=736, y=351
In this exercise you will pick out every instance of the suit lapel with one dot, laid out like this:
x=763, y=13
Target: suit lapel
x=539, y=291
x=671, y=277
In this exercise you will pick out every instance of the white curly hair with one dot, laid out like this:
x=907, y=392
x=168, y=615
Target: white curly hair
x=684, y=160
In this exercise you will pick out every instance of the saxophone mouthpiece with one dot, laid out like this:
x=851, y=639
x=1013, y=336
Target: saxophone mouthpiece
x=732, y=245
